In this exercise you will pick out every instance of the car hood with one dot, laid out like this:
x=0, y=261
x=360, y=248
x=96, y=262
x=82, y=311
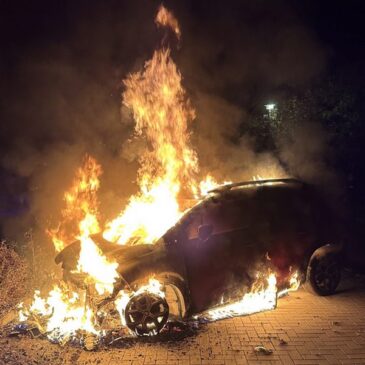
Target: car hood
x=125, y=256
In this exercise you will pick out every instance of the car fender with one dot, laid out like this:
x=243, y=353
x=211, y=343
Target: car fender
x=326, y=249
x=177, y=280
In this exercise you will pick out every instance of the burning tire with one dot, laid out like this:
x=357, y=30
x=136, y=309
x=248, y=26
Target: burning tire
x=146, y=314
x=324, y=273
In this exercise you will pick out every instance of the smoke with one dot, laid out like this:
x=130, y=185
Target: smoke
x=223, y=152
x=62, y=90
x=252, y=55
x=304, y=153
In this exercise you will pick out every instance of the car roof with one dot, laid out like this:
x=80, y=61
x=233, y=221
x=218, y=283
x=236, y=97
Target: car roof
x=256, y=183
x=249, y=188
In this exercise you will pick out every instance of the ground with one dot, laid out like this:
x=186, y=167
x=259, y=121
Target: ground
x=304, y=329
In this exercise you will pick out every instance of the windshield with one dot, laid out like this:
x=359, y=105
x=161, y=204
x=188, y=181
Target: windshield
x=173, y=234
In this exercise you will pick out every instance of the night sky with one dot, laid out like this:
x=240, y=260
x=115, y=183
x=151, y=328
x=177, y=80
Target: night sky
x=62, y=64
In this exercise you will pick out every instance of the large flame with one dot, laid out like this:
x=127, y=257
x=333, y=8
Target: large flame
x=162, y=114
x=65, y=314
x=80, y=221
x=81, y=204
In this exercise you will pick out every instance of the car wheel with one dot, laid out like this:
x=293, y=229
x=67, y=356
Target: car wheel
x=324, y=273
x=146, y=314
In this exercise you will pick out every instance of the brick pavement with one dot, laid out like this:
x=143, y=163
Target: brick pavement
x=316, y=330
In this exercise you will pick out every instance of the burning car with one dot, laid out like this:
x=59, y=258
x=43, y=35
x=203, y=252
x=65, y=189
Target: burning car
x=212, y=255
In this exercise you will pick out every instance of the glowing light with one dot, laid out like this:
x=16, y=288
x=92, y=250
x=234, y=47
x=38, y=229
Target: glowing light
x=294, y=283
x=270, y=107
x=262, y=297
x=165, y=18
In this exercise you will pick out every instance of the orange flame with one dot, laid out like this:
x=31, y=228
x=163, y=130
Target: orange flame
x=162, y=114
x=208, y=184
x=81, y=201
x=263, y=296
x=166, y=18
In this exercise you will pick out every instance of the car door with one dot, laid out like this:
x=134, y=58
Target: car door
x=292, y=227
x=212, y=262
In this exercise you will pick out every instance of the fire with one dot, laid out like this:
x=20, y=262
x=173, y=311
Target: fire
x=162, y=114
x=101, y=272
x=263, y=296
x=81, y=205
x=208, y=184
x=294, y=283
x=166, y=19
x=65, y=313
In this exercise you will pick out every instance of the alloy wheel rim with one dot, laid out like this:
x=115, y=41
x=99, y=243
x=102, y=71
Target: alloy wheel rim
x=146, y=313
x=327, y=274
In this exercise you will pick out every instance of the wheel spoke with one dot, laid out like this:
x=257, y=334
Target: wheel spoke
x=133, y=311
x=157, y=323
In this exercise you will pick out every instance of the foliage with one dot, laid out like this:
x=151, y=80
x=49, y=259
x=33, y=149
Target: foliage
x=14, y=278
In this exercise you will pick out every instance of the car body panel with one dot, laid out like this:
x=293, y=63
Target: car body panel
x=277, y=225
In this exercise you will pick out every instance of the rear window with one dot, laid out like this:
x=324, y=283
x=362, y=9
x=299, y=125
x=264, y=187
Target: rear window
x=288, y=209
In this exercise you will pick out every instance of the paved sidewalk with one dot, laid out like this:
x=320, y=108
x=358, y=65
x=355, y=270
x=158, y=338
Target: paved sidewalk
x=304, y=329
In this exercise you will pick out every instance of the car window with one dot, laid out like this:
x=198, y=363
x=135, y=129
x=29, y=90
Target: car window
x=288, y=209
x=227, y=215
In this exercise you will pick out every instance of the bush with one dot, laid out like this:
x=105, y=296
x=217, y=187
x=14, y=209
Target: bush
x=14, y=278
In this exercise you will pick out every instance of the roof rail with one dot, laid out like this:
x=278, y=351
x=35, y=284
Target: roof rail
x=227, y=187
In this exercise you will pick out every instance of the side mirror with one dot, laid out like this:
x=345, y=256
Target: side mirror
x=205, y=231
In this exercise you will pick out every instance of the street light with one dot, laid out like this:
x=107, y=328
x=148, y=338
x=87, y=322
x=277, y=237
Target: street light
x=271, y=111
x=270, y=107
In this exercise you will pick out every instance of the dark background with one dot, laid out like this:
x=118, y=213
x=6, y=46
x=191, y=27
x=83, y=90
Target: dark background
x=62, y=64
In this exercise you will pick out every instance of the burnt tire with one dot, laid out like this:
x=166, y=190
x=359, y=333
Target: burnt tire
x=324, y=273
x=146, y=314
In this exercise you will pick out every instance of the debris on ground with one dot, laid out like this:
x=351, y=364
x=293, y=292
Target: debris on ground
x=90, y=342
x=172, y=332
x=263, y=350
x=9, y=317
x=35, y=327
x=282, y=342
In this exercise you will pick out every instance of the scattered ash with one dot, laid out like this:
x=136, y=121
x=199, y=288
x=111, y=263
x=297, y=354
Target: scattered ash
x=173, y=332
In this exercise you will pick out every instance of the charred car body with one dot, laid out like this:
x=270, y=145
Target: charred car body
x=216, y=248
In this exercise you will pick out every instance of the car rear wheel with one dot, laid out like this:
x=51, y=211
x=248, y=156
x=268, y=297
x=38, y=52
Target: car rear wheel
x=324, y=273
